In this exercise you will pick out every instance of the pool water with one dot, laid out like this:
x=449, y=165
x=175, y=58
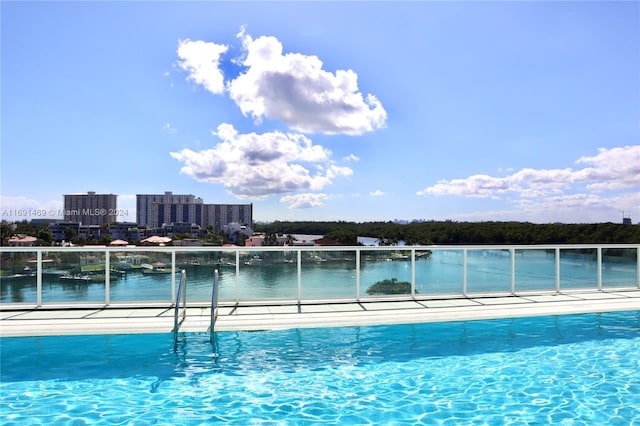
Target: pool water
x=574, y=369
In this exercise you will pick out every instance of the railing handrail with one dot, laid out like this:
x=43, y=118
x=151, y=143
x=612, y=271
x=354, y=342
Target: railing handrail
x=188, y=249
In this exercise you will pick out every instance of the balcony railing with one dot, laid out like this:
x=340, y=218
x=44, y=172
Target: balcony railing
x=106, y=276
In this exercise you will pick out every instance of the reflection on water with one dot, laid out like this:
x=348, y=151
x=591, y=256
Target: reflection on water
x=274, y=274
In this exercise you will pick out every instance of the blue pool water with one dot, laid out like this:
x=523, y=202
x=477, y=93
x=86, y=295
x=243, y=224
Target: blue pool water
x=576, y=369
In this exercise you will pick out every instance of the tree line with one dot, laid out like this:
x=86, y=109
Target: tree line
x=424, y=233
x=471, y=233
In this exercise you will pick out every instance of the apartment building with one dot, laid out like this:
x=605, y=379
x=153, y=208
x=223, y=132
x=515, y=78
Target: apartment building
x=221, y=215
x=90, y=208
x=156, y=210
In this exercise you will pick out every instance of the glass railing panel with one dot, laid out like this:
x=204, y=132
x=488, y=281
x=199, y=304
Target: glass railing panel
x=77, y=275
x=199, y=266
x=385, y=272
x=488, y=270
x=140, y=276
x=578, y=268
x=267, y=274
x=619, y=267
x=439, y=272
x=227, y=276
x=535, y=269
x=328, y=274
x=74, y=276
x=18, y=281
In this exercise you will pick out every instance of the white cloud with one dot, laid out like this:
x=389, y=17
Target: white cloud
x=613, y=169
x=304, y=201
x=588, y=207
x=258, y=165
x=290, y=87
x=18, y=208
x=567, y=208
x=168, y=128
x=481, y=186
x=334, y=171
x=542, y=179
x=202, y=61
x=17, y=203
x=377, y=193
x=611, y=184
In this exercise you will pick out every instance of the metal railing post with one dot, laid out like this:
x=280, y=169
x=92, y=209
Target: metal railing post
x=557, y=255
x=638, y=267
x=512, y=252
x=299, y=270
x=464, y=272
x=413, y=273
x=107, y=278
x=237, y=279
x=39, y=278
x=599, y=267
x=358, y=274
x=173, y=274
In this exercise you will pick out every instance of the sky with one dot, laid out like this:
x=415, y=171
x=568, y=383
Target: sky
x=355, y=111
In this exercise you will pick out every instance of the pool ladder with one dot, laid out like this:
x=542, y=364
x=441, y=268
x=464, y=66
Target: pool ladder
x=214, y=305
x=180, y=313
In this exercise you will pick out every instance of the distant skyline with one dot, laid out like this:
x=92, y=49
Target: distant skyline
x=356, y=111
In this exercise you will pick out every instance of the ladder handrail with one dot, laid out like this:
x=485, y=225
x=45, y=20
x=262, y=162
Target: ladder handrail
x=214, y=302
x=182, y=292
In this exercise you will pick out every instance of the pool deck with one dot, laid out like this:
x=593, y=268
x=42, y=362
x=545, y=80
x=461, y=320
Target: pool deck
x=45, y=321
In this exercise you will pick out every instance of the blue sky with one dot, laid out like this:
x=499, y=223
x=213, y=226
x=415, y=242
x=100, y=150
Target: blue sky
x=469, y=111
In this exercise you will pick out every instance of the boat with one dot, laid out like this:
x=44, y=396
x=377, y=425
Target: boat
x=156, y=271
x=254, y=260
x=399, y=256
x=76, y=278
x=17, y=277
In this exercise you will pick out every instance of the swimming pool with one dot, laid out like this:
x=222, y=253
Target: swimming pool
x=579, y=369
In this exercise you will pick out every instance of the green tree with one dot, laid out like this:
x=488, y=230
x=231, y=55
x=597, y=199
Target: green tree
x=390, y=286
x=290, y=240
x=106, y=239
x=345, y=237
x=46, y=236
x=270, y=239
x=6, y=231
x=69, y=234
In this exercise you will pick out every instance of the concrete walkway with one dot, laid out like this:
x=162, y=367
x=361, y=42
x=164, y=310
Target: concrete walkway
x=127, y=320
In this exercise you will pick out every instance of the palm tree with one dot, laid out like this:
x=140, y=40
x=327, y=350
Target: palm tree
x=290, y=240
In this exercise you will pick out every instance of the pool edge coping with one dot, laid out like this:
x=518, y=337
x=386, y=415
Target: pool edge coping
x=160, y=319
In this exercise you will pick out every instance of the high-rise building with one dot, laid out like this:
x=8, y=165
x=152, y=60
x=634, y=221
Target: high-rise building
x=168, y=213
x=90, y=208
x=155, y=210
x=219, y=215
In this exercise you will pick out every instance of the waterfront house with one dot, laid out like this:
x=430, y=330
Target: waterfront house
x=21, y=240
